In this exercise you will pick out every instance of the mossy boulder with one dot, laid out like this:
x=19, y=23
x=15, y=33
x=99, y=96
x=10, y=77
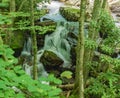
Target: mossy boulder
x=49, y=58
x=73, y=14
x=70, y=14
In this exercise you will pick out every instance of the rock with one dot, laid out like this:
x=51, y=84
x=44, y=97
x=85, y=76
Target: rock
x=70, y=14
x=46, y=23
x=73, y=13
x=118, y=14
x=49, y=58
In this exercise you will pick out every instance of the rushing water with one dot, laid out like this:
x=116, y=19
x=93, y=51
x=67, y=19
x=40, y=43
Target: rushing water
x=53, y=14
x=28, y=60
x=56, y=42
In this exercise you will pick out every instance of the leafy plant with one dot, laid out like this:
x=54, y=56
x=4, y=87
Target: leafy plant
x=66, y=74
x=16, y=84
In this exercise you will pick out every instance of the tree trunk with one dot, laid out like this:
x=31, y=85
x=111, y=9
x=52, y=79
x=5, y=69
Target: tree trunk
x=12, y=6
x=93, y=35
x=79, y=79
x=10, y=32
x=104, y=4
x=33, y=33
x=1, y=41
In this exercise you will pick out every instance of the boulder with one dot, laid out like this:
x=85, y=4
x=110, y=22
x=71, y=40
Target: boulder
x=49, y=58
x=70, y=14
x=73, y=13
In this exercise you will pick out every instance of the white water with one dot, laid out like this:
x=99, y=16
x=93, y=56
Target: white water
x=58, y=44
x=28, y=60
x=53, y=13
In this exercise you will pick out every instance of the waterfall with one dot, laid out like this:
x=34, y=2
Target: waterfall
x=28, y=60
x=57, y=42
x=27, y=47
x=26, y=54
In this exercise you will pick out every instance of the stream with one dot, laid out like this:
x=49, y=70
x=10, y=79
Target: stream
x=58, y=44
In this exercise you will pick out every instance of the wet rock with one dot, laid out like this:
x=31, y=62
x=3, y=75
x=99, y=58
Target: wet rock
x=49, y=58
x=40, y=40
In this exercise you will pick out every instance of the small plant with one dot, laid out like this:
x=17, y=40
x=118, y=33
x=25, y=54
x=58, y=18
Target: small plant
x=66, y=74
x=14, y=83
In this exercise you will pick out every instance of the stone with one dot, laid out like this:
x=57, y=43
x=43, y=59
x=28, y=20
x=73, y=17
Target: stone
x=70, y=14
x=49, y=58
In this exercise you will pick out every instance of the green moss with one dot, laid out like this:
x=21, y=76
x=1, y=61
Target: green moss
x=71, y=14
x=17, y=40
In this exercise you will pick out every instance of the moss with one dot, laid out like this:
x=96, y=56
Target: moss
x=17, y=40
x=71, y=14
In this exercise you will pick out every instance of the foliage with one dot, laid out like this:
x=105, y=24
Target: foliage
x=4, y=19
x=66, y=74
x=90, y=44
x=108, y=29
x=103, y=86
x=14, y=83
x=104, y=75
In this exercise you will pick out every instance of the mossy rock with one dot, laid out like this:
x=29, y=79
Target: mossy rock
x=49, y=58
x=17, y=40
x=70, y=14
x=73, y=14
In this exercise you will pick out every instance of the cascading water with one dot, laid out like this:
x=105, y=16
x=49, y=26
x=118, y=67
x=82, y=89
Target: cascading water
x=28, y=60
x=26, y=54
x=57, y=42
x=53, y=14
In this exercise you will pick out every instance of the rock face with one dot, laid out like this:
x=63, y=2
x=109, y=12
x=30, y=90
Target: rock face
x=49, y=58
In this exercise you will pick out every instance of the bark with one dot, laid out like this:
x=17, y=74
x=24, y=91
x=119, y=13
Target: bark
x=104, y=4
x=12, y=5
x=79, y=78
x=9, y=35
x=1, y=41
x=33, y=33
x=93, y=35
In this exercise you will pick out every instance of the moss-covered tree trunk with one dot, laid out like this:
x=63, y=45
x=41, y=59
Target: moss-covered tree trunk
x=79, y=79
x=33, y=33
x=9, y=35
x=104, y=4
x=12, y=6
x=1, y=41
x=93, y=35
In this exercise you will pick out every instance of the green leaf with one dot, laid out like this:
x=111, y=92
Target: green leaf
x=20, y=96
x=66, y=74
x=2, y=94
x=53, y=93
x=2, y=85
